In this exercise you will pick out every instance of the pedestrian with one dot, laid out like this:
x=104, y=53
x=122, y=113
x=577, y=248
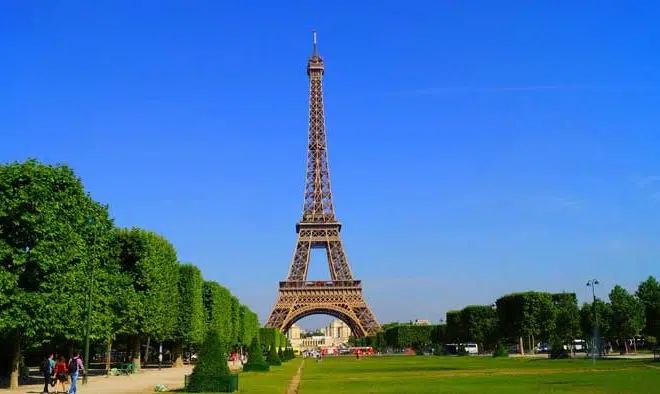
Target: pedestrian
x=47, y=371
x=59, y=374
x=75, y=367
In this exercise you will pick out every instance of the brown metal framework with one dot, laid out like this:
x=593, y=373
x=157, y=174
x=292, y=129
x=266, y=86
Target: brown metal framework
x=342, y=295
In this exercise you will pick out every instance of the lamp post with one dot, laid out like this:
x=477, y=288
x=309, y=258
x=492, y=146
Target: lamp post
x=596, y=340
x=88, y=318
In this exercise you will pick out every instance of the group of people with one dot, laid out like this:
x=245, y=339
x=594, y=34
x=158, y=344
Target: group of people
x=57, y=373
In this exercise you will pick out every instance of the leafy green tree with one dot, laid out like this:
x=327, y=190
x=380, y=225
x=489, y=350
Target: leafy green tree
x=191, y=317
x=454, y=330
x=256, y=360
x=439, y=334
x=603, y=312
x=51, y=241
x=273, y=359
x=479, y=324
x=627, y=318
x=235, y=307
x=217, y=302
x=249, y=325
x=211, y=369
x=526, y=315
x=152, y=301
x=648, y=293
x=567, y=317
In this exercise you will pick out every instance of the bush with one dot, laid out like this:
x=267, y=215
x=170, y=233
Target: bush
x=280, y=354
x=440, y=350
x=211, y=372
x=273, y=358
x=256, y=360
x=557, y=351
x=500, y=350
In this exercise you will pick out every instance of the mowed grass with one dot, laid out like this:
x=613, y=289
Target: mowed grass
x=429, y=374
x=274, y=381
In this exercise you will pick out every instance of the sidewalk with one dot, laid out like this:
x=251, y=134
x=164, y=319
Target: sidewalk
x=140, y=383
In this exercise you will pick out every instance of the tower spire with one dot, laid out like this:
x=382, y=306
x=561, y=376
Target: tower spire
x=315, y=51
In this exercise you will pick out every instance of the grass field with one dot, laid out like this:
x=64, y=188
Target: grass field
x=428, y=374
x=274, y=381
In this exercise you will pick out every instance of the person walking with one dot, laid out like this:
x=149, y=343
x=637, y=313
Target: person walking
x=75, y=367
x=47, y=371
x=59, y=374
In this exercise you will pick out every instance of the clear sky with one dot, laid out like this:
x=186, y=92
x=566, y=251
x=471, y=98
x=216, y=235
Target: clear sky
x=476, y=147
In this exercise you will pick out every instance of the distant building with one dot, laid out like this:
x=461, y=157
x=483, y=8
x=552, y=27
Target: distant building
x=335, y=334
x=421, y=322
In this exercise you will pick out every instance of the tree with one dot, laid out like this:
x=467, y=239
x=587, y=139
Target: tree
x=567, y=317
x=217, y=302
x=249, y=325
x=235, y=320
x=627, y=318
x=211, y=370
x=190, y=328
x=439, y=334
x=256, y=360
x=273, y=358
x=648, y=293
x=454, y=328
x=529, y=314
x=151, y=303
x=479, y=324
x=604, y=313
x=51, y=237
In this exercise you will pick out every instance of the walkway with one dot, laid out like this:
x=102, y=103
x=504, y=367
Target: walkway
x=140, y=383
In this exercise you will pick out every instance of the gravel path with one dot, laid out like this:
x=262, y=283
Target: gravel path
x=140, y=383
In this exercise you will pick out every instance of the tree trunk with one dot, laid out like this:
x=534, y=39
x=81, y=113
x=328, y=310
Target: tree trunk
x=533, y=345
x=522, y=347
x=635, y=345
x=108, y=357
x=625, y=346
x=146, y=351
x=177, y=353
x=15, y=361
x=70, y=348
x=136, y=352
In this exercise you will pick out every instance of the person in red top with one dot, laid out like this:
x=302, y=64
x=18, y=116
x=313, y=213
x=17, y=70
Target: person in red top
x=60, y=375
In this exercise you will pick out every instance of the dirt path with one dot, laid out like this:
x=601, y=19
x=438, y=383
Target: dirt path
x=295, y=381
x=140, y=383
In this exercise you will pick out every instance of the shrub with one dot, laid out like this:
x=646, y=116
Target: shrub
x=280, y=354
x=273, y=358
x=211, y=372
x=500, y=350
x=256, y=360
x=440, y=350
x=557, y=350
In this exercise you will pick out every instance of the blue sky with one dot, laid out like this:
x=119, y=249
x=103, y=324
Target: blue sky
x=476, y=148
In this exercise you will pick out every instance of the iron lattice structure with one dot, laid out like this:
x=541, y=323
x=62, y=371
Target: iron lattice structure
x=341, y=296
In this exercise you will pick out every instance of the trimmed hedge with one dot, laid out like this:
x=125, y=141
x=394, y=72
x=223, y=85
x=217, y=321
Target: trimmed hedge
x=273, y=358
x=256, y=360
x=211, y=372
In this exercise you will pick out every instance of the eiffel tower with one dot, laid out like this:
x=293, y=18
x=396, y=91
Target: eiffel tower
x=341, y=296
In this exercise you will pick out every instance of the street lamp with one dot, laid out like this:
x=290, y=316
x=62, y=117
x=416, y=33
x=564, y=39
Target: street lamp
x=596, y=340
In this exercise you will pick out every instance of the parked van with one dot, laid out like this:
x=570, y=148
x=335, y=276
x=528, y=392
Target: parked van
x=471, y=348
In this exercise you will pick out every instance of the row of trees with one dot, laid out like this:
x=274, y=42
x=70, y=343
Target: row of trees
x=59, y=249
x=530, y=317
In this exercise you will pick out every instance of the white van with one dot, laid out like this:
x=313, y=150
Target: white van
x=472, y=348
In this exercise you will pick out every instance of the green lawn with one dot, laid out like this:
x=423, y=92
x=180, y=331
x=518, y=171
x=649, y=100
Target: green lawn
x=274, y=381
x=429, y=374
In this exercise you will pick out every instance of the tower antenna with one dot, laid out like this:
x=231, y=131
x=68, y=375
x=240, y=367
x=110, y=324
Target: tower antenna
x=315, y=51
